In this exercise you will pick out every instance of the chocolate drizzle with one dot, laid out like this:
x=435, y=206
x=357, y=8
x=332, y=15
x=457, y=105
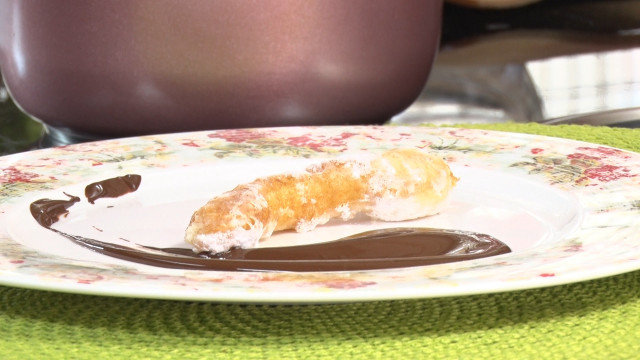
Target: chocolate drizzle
x=113, y=187
x=378, y=249
x=47, y=211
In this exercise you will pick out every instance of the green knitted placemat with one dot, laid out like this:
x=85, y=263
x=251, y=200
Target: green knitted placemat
x=598, y=319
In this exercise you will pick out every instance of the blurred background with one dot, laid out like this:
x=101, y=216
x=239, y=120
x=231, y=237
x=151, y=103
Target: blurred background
x=553, y=61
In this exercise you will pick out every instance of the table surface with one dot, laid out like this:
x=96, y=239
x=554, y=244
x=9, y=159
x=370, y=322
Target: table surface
x=592, y=319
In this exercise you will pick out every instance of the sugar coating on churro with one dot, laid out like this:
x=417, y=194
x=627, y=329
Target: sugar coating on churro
x=400, y=184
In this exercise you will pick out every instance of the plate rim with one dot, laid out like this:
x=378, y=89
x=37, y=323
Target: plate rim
x=355, y=294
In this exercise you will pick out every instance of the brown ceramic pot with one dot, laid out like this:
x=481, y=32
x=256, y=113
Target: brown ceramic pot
x=127, y=67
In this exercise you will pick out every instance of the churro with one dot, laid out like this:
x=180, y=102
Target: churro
x=399, y=184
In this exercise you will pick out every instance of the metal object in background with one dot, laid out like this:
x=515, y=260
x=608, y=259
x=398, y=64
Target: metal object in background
x=618, y=118
x=604, y=17
x=475, y=94
x=571, y=86
x=600, y=88
x=550, y=62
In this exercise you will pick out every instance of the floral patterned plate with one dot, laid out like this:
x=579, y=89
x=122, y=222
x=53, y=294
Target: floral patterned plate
x=569, y=211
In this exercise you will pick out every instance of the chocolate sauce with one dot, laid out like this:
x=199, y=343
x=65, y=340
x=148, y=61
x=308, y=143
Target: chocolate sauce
x=378, y=249
x=113, y=187
x=47, y=211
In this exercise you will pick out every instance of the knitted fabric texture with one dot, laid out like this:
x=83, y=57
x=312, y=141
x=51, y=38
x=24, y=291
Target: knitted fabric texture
x=598, y=319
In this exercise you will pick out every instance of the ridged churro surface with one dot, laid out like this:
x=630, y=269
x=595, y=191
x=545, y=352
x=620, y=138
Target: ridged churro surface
x=400, y=184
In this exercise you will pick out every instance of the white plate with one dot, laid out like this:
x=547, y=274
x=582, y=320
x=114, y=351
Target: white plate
x=568, y=210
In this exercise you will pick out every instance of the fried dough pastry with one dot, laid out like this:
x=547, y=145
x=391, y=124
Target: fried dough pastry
x=400, y=184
